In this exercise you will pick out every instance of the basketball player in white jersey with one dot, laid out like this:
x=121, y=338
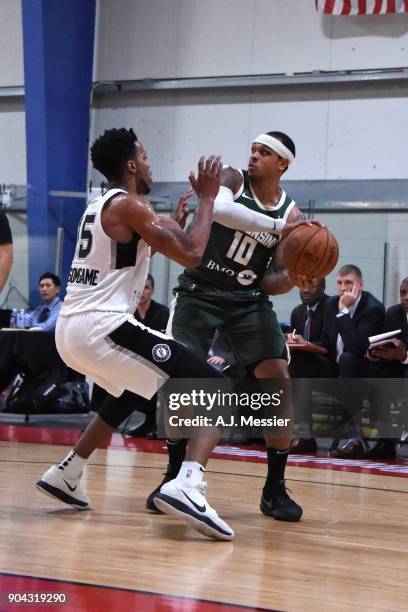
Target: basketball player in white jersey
x=96, y=332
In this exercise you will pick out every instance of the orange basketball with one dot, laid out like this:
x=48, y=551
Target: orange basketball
x=310, y=251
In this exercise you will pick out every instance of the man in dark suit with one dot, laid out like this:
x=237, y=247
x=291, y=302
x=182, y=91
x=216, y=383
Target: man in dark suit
x=307, y=324
x=153, y=315
x=149, y=312
x=393, y=362
x=307, y=318
x=395, y=358
x=349, y=319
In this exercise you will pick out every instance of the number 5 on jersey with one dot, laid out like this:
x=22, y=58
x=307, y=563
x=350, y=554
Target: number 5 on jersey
x=84, y=245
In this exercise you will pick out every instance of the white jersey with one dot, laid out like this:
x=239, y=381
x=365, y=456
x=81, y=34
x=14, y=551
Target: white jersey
x=105, y=275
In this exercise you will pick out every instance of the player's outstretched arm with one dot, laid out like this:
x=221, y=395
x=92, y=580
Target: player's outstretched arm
x=163, y=233
x=234, y=215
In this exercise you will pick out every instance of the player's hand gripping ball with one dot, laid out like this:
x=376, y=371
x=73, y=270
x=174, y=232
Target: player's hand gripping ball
x=310, y=251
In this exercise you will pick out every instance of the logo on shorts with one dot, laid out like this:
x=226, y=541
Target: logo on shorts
x=161, y=352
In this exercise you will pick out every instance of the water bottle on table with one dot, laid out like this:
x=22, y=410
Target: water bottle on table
x=13, y=318
x=21, y=319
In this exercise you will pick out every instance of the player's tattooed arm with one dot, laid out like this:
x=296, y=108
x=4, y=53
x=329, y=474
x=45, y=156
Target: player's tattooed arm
x=295, y=215
x=231, y=178
x=277, y=279
x=132, y=213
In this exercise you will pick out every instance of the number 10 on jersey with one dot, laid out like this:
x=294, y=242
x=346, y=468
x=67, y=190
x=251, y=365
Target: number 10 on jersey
x=242, y=248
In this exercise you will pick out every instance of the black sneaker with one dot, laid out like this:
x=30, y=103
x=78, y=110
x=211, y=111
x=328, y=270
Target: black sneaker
x=276, y=502
x=150, y=505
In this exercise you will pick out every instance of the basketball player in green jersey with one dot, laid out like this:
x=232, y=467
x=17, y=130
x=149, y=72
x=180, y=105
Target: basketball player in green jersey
x=228, y=292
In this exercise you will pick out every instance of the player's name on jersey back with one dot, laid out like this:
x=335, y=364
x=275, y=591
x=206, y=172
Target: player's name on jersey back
x=83, y=276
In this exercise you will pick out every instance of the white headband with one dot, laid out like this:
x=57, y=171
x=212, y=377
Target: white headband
x=276, y=145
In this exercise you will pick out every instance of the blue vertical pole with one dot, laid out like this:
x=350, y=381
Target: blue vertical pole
x=58, y=60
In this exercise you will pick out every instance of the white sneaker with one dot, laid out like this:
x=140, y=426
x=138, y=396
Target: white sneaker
x=190, y=504
x=55, y=484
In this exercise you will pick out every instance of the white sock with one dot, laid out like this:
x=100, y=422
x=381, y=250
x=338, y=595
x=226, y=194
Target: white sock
x=72, y=465
x=191, y=473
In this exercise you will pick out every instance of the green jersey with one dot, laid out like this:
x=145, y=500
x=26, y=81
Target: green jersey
x=235, y=261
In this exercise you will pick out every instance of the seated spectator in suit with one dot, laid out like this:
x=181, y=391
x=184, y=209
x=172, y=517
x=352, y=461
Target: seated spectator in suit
x=153, y=315
x=307, y=318
x=45, y=316
x=350, y=318
x=393, y=361
x=307, y=324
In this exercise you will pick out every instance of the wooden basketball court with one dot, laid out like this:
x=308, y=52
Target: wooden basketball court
x=348, y=552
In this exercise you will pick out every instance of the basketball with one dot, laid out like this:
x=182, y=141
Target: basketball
x=310, y=251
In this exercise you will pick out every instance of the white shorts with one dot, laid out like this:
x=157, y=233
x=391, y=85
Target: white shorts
x=115, y=356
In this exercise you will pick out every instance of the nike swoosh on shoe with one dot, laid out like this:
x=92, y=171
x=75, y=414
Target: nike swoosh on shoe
x=199, y=508
x=69, y=486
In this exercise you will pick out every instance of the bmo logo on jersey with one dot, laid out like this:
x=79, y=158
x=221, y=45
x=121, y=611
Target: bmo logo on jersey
x=161, y=352
x=244, y=277
x=212, y=265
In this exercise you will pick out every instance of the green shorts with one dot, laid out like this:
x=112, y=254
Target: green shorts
x=249, y=326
